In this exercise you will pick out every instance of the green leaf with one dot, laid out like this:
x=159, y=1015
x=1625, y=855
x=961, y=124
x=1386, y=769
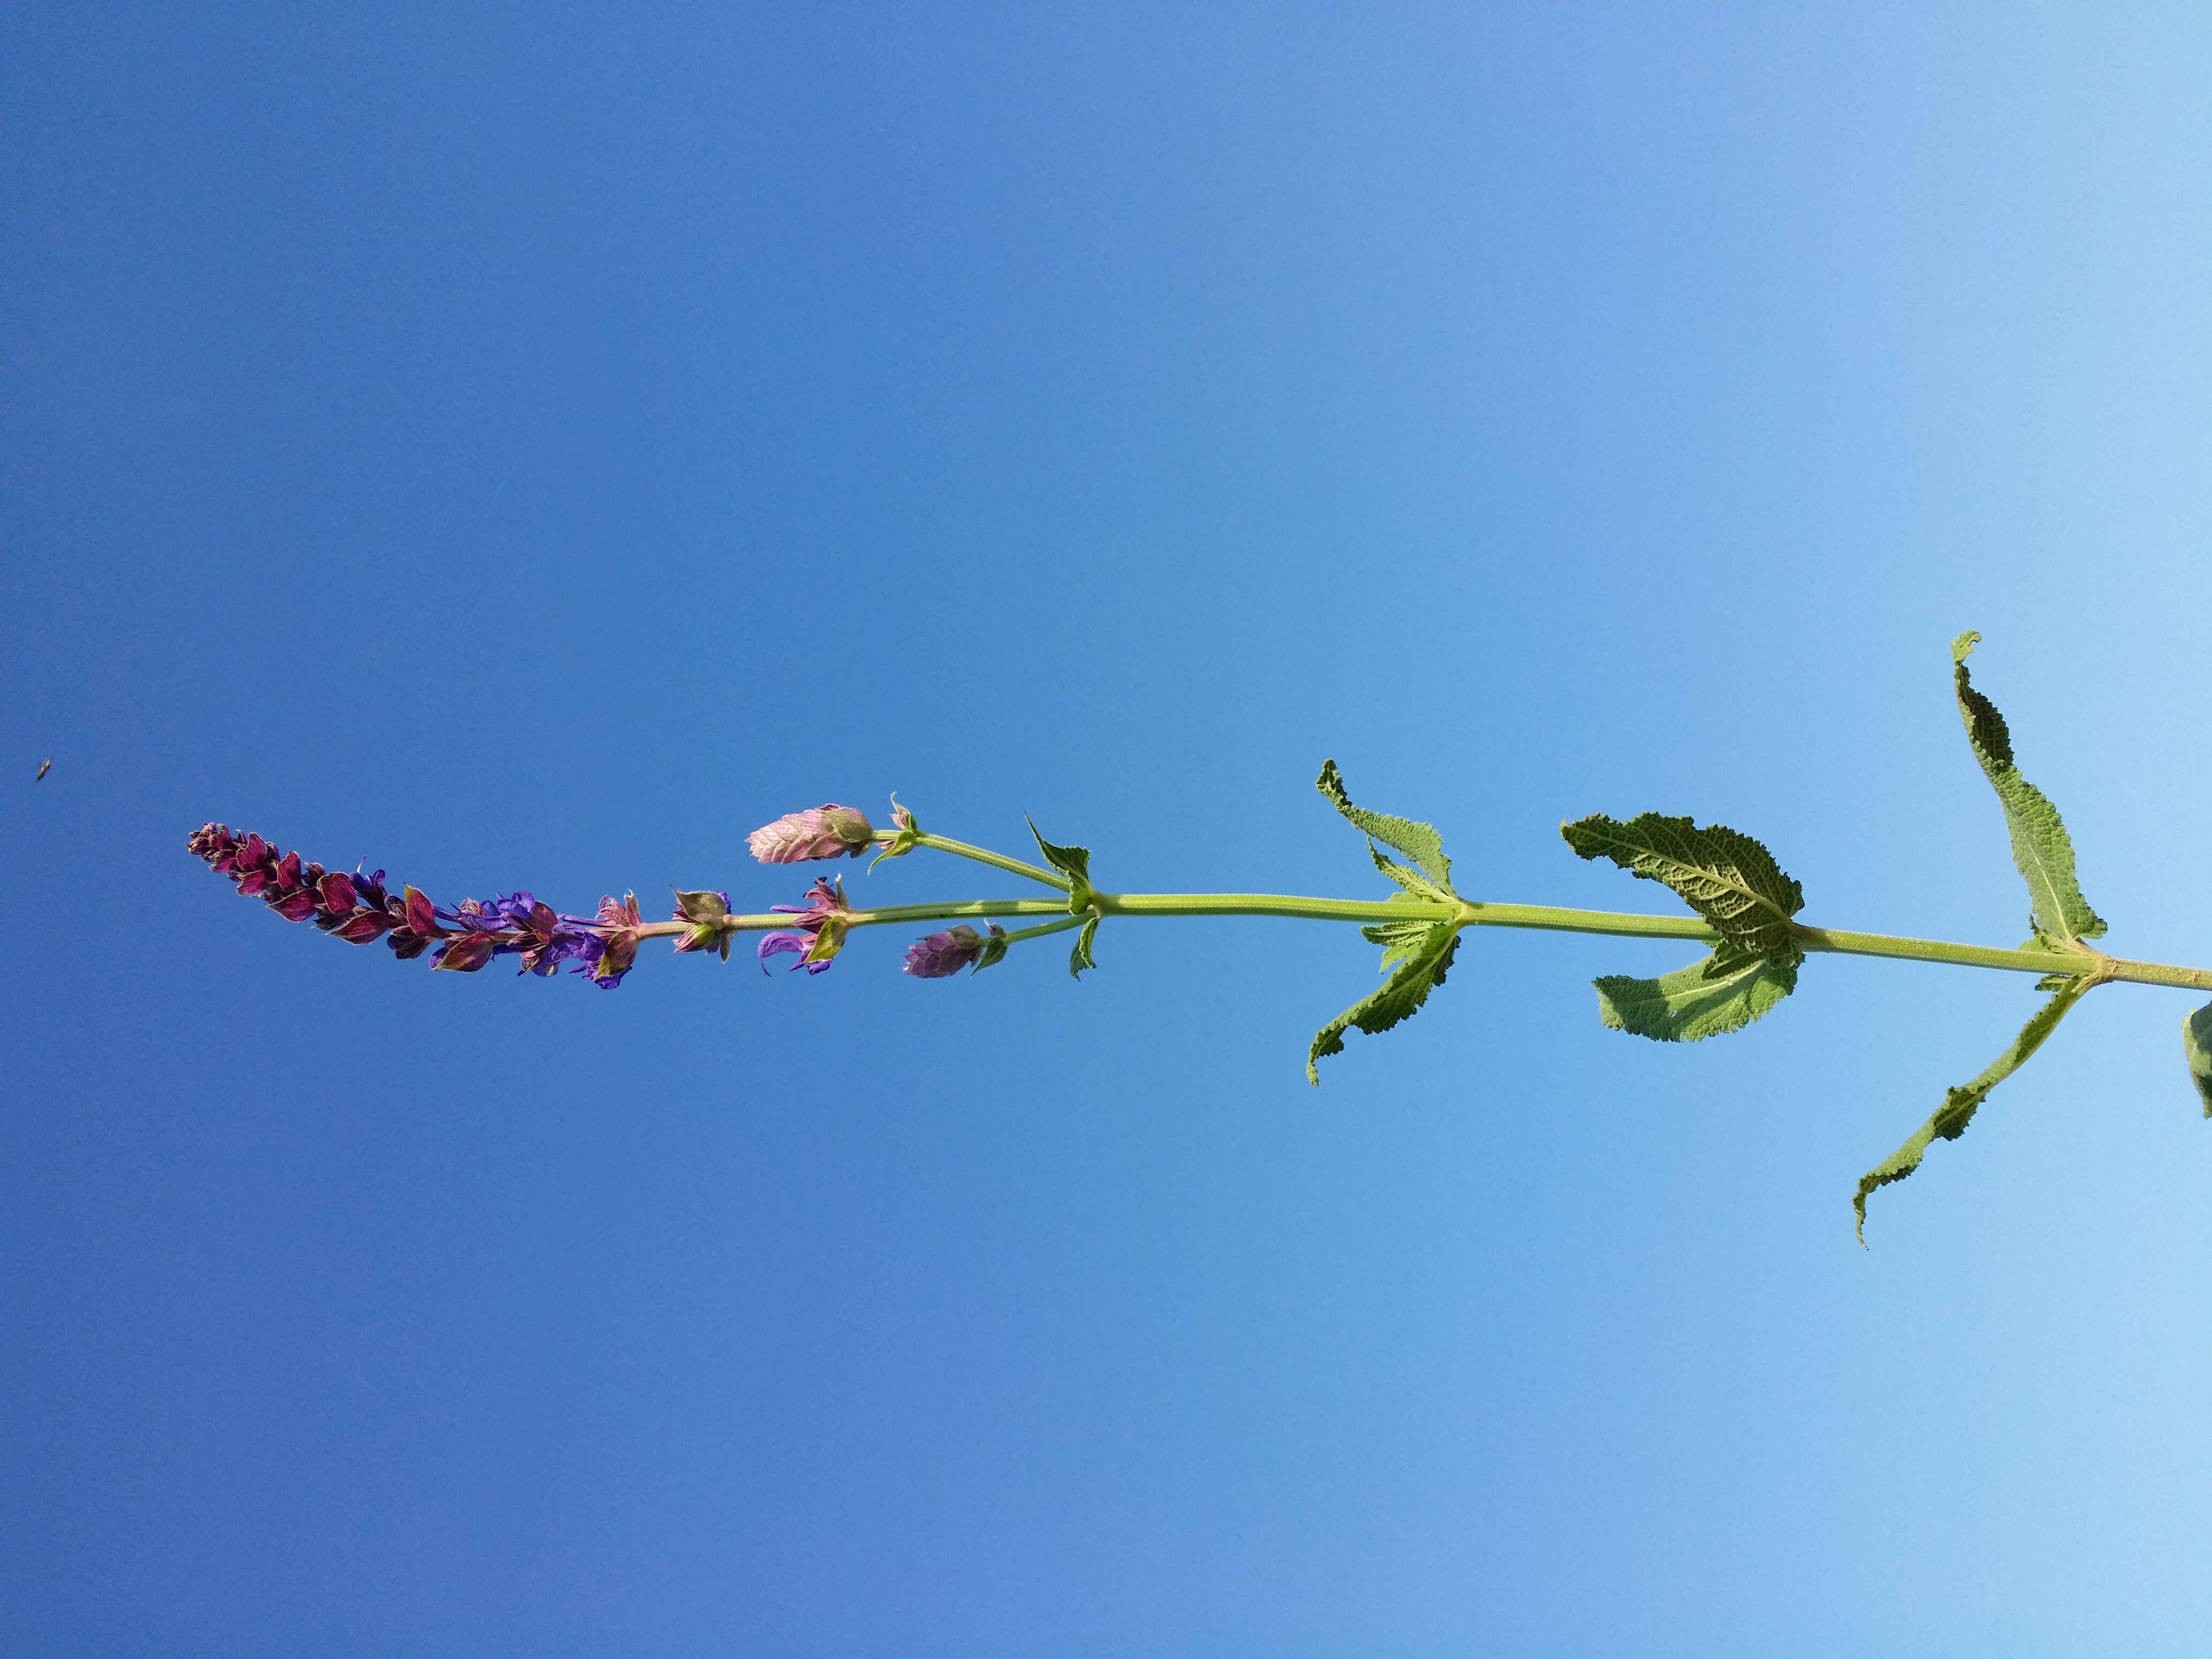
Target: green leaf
x=1962, y=1101
x=1400, y=995
x=1417, y=842
x=1725, y=876
x=2040, y=845
x=1413, y=883
x=2196, y=1043
x=1400, y=940
x=1080, y=956
x=1724, y=992
x=1074, y=863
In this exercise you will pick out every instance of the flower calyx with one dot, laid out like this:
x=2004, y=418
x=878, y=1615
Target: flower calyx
x=705, y=911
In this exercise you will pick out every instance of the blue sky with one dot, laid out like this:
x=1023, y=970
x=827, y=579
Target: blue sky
x=532, y=447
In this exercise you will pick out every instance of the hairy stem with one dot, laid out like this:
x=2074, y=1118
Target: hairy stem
x=981, y=855
x=1471, y=913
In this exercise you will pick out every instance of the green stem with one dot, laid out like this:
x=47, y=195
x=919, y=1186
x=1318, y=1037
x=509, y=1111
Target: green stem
x=983, y=855
x=2083, y=960
x=1061, y=926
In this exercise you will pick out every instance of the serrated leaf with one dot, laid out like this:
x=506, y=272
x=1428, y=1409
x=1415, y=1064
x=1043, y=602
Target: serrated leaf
x=1962, y=1101
x=1074, y=863
x=2041, y=848
x=1411, y=882
x=2196, y=1043
x=1725, y=876
x=1400, y=997
x=1417, y=842
x=1724, y=992
x=1080, y=956
x=1400, y=940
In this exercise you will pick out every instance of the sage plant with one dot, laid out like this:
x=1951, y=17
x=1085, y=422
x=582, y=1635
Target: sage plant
x=1743, y=909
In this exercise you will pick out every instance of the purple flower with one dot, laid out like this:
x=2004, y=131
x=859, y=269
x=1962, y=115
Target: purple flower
x=827, y=832
x=358, y=909
x=940, y=956
x=822, y=925
x=618, y=926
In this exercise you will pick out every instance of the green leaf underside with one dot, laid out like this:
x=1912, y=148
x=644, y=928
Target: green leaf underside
x=1080, y=956
x=2041, y=848
x=1413, y=883
x=1417, y=842
x=1398, y=998
x=1724, y=992
x=1725, y=876
x=1074, y=863
x=1962, y=1101
x=1400, y=940
x=2196, y=1043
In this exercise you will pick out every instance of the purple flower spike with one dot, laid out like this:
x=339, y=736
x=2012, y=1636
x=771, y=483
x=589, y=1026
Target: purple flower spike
x=358, y=909
x=827, y=832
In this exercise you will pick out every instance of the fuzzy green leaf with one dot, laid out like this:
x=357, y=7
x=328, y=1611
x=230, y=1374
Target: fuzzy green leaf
x=1417, y=842
x=1080, y=956
x=1962, y=1101
x=1400, y=940
x=1726, y=877
x=1074, y=863
x=2196, y=1043
x=1411, y=883
x=1724, y=992
x=1398, y=998
x=2040, y=845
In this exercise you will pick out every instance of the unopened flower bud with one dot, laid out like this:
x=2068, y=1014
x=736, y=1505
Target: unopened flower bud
x=829, y=831
x=940, y=956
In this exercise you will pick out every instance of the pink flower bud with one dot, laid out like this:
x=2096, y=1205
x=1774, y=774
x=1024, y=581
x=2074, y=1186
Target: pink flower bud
x=827, y=832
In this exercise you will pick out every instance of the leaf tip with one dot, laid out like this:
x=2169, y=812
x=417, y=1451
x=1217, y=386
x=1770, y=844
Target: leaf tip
x=1963, y=647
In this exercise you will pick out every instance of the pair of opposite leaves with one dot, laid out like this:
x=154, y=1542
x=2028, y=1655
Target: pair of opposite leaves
x=1734, y=883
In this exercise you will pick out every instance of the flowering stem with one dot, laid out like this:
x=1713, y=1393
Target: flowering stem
x=2080, y=960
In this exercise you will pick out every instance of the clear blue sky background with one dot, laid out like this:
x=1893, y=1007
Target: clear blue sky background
x=531, y=447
